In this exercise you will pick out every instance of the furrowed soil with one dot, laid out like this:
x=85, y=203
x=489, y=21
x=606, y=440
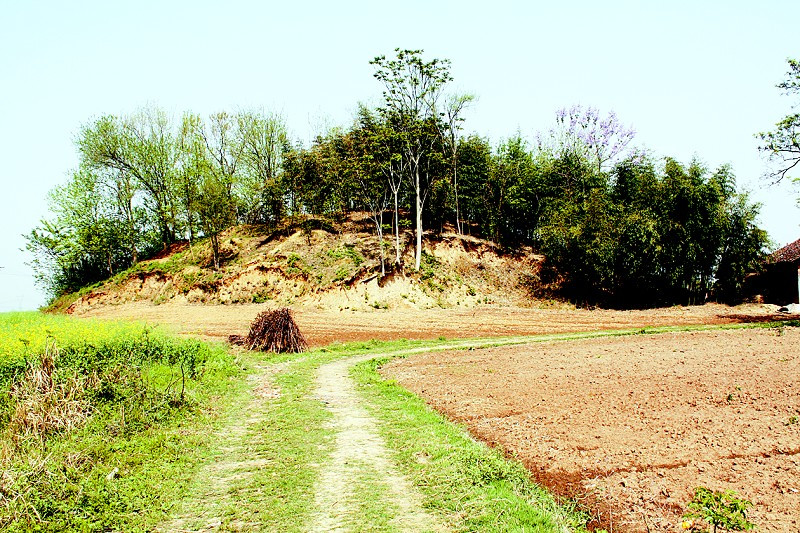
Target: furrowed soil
x=631, y=425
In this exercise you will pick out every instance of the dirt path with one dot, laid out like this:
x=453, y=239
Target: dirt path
x=360, y=453
x=358, y=486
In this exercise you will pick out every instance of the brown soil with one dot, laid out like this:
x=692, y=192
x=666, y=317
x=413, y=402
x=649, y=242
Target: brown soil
x=636, y=422
x=324, y=326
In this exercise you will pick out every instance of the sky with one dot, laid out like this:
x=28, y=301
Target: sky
x=692, y=78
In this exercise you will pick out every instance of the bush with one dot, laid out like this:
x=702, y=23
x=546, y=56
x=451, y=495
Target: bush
x=719, y=509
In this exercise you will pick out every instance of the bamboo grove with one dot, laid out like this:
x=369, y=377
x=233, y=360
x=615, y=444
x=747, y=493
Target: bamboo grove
x=618, y=225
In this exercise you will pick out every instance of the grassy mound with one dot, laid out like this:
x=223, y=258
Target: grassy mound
x=335, y=267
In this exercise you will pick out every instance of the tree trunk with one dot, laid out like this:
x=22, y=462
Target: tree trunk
x=396, y=228
x=418, y=205
x=455, y=189
x=379, y=226
x=215, y=249
x=134, y=251
x=131, y=223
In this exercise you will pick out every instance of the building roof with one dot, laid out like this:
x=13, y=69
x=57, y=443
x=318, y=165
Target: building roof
x=788, y=254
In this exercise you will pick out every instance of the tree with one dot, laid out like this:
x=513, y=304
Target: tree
x=143, y=146
x=412, y=88
x=215, y=210
x=85, y=242
x=193, y=167
x=449, y=129
x=297, y=164
x=372, y=190
x=782, y=145
x=475, y=166
x=507, y=208
x=651, y=237
x=319, y=180
x=224, y=146
x=263, y=139
x=584, y=131
x=386, y=149
x=742, y=251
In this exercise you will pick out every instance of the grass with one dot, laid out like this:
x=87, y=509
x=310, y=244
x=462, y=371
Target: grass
x=346, y=251
x=473, y=486
x=293, y=438
x=277, y=445
x=142, y=435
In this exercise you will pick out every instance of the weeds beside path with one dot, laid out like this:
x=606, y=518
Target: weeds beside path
x=300, y=448
x=223, y=480
x=259, y=476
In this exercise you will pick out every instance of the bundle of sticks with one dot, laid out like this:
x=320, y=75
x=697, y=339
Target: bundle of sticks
x=273, y=331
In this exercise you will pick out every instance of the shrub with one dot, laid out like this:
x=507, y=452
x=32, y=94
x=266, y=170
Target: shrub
x=719, y=509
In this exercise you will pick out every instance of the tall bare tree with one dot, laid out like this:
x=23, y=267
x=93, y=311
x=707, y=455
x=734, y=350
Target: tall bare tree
x=449, y=128
x=412, y=88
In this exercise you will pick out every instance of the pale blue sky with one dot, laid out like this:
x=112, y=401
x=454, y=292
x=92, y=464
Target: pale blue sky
x=691, y=77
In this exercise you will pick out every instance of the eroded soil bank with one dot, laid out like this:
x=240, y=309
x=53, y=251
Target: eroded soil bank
x=636, y=422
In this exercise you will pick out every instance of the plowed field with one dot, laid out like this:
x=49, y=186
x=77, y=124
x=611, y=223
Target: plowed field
x=631, y=425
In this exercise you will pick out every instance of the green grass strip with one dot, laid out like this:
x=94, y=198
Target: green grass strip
x=473, y=486
x=294, y=438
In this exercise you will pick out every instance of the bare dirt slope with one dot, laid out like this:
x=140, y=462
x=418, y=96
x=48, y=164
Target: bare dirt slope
x=336, y=268
x=634, y=424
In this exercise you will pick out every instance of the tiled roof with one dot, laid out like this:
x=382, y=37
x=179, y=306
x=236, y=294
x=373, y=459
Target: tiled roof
x=788, y=254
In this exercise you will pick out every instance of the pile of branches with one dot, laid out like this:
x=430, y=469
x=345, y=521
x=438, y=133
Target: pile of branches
x=273, y=331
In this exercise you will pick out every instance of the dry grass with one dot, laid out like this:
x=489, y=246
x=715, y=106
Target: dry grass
x=44, y=404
